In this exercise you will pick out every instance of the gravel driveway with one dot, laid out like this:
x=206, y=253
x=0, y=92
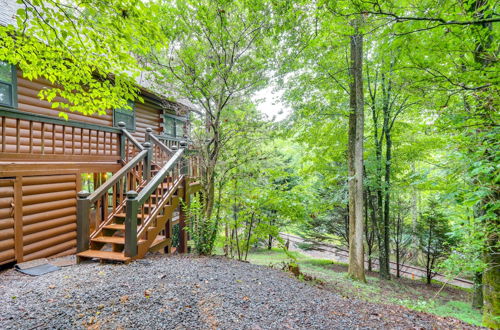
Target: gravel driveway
x=188, y=293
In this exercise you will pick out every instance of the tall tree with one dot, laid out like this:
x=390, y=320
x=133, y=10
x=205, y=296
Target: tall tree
x=356, y=135
x=219, y=55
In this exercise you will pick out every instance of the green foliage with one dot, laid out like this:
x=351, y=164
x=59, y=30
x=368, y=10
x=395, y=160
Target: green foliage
x=457, y=309
x=433, y=235
x=88, y=50
x=202, y=231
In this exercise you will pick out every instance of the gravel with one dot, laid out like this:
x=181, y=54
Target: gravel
x=183, y=292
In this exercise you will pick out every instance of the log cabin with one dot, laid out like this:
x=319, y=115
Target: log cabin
x=105, y=187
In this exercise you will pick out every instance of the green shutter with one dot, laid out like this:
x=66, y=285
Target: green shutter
x=125, y=115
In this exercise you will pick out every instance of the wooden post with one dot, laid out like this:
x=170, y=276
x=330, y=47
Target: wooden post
x=82, y=221
x=147, y=160
x=131, y=224
x=122, y=140
x=168, y=235
x=185, y=159
x=183, y=237
x=149, y=131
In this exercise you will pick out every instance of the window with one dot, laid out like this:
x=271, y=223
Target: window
x=169, y=126
x=174, y=127
x=8, y=79
x=179, y=129
x=125, y=115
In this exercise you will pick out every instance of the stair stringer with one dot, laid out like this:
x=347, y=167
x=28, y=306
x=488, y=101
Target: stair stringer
x=155, y=227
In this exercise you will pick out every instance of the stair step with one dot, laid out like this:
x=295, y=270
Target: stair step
x=115, y=226
x=107, y=255
x=113, y=240
x=159, y=243
x=124, y=215
x=109, y=239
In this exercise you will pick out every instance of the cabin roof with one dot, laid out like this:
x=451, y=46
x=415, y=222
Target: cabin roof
x=8, y=9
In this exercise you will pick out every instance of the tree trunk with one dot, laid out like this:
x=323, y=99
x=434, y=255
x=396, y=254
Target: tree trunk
x=368, y=234
x=398, y=243
x=377, y=208
x=477, y=295
x=356, y=128
x=387, y=202
x=491, y=285
x=428, y=264
x=483, y=55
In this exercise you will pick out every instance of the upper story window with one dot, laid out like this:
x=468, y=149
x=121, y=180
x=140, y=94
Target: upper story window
x=125, y=115
x=8, y=80
x=174, y=127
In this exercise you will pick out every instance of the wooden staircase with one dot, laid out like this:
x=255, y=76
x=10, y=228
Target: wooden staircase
x=131, y=224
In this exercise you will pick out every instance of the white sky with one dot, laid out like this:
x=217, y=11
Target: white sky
x=269, y=103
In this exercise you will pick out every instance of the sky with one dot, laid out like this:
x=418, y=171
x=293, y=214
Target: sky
x=269, y=103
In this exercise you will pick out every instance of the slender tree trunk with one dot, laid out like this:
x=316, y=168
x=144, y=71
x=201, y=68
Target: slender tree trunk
x=477, y=295
x=398, y=247
x=377, y=208
x=387, y=201
x=373, y=217
x=368, y=234
x=346, y=226
x=356, y=128
x=414, y=203
x=428, y=264
x=249, y=235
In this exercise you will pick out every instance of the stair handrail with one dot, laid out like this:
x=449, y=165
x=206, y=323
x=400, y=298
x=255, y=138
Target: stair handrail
x=117, y=176
x=159, y=177
x=160, y=144
x=136, y=201
x=130, y=136
x=85, y=199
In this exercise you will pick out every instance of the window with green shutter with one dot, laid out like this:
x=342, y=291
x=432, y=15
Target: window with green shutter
x=169, y=126
x=173, y=127
x=125, y=115
x=179, y=128
x=8, y=81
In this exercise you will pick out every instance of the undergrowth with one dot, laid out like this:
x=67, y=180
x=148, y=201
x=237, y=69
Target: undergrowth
x=333, y=275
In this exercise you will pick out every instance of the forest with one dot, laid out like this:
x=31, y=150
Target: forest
x=389, y=145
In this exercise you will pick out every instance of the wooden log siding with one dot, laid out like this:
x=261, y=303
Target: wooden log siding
x=48, y=215
x=7, y=251
x=147, y=115
x=28, y=101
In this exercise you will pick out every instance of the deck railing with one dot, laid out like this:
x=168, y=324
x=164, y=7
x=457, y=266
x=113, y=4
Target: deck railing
x=150, y=201
x=146, y=193
x=33, y=137
x=160, y=152
x=110, y=198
